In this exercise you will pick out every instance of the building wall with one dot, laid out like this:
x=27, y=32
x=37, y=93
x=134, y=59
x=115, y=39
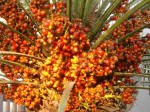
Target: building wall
x=9, y=106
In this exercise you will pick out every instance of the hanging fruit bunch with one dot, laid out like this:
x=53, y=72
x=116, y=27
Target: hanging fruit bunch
x=98, y=48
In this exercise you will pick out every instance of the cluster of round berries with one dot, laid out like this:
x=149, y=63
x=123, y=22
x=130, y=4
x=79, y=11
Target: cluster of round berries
x=42, y=9
x=66, y=49
x=127, y=96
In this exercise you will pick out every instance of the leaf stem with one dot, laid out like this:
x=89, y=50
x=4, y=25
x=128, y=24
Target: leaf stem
x=28, y=15
x=20, y=54
x=86, y=12
x=54, y=1
x=131, y=33
x=131, y=74
x=102, y=8
x=2, y=76
x=76, y=7
x=82, y=8
x=13, y=30
x=146, y=54
x=14, y=63
x=145, y=59
x=135, y=87
x=69, y=3
x=145, y=82
x=17, y=82
x=102, y=19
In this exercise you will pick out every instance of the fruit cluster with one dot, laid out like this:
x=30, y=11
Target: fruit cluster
x=12, y=41
x=127, y=96
x=66, y=50
x=64, y=37
x=42, y=9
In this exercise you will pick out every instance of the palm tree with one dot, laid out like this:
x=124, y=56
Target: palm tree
x=88, y=48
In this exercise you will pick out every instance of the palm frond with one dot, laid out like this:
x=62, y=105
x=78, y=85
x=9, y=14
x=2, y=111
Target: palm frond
x=82, y=8
x=75, y=5
x=132, y=74
x=26, y=12
x=135, y=87
x=132, y=33
x=101, y=8
x=87, y=9
x=119, y=21
x=13, y=30
x=146, y=54
x=146, y=6
x=69, y=7
x=13, y=63
x=20, y=54
x=54, y=1
x=133, y=2
x=146, y=60
x=17, y=82
x=102, y=19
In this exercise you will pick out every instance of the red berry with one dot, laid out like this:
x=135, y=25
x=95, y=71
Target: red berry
x=148, y=36
x=42, y=13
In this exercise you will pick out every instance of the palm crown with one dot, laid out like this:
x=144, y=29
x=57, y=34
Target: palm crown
x=81, y=48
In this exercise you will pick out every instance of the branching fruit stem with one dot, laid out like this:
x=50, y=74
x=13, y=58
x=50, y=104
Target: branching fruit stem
x=131, y=74
x=20, y=54
x=13, y=30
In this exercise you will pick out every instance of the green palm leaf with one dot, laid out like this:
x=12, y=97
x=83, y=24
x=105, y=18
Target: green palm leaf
x=87, y=9
x=75, y=5
x=119, y=21
x=69, y=3
x=102, y=19
x=82, y=8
